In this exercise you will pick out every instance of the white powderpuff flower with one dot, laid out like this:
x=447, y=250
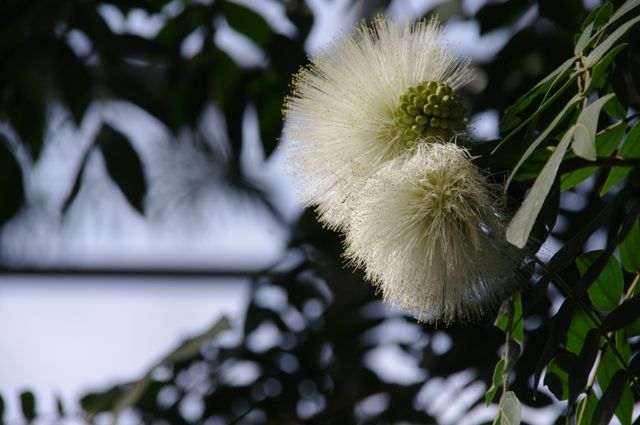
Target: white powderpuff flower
x=364, y=100
x=428, y=235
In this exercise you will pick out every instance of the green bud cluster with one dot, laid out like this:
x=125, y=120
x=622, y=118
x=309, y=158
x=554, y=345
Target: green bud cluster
x=430, y=109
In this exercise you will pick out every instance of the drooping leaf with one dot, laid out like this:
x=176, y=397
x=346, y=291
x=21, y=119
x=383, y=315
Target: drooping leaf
x=630, y=148
x=606, y=143
x=123, y=165
x=520, y=226
x=597, y=53
x=11, y=187
x=606, y=291
x=630, y=249
x=610, y=398
x=496, y=382
x=584, y=137
x=509, y=410
x=28, y=405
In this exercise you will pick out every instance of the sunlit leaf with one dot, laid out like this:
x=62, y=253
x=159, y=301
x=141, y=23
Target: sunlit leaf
x=522, y=223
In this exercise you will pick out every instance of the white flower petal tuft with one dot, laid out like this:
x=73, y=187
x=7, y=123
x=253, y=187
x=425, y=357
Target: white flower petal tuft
x=428, y=235
x=339, y=119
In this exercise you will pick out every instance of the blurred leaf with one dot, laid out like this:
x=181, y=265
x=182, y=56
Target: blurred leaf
x=11, y=184
x=579, y=373
x=520, y=226
x=1, y=409
x=60, y=407
x=567, y=16
x=600, y=50
x=77, y=183
x=123, y=165
x=586, y=408
x=580, y=326
x=496, y=382
x=626, y=313
x=606, y=143
x=246, y=22
x=510, y=118
x=630, y=149
x=606, y=292
x=508, y=410
x=610, y=398
x=493, y=15
x=559, y=325
x=630, y=249
x=28, y=405
x=584, y=138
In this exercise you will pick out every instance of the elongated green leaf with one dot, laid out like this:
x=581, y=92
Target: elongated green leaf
x=522, y=223
x=630, y=149
x=510, y=318
x=579, y=373
x=626, y=313
x=123, y=165
x=606, y=291
x=607, y=367
x=509, y=410
x=578, y=330
x=600, y=70
x=598, y=16
x=584, y=138
x=510, y=118
x=608, y=42
x=583, y=41
x=586, y=408
x=606, y=143
x=626, y=7
x=630, y=249
x=559, y=326
x=610, y=399
x=496, y=381
x=246, y=22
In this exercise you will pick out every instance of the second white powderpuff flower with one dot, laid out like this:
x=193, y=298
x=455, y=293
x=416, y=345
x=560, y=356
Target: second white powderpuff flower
x=428, y=235
x=364, y=100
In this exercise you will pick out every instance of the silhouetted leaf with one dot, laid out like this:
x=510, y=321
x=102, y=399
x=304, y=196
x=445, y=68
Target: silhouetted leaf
x=626, y=313
x=606, y=291
x=607, y=405
x=608, y=366
x=246, y=22
x=1, y=409
x=630, y=148
x=123, y=165
x=630, y=251
x=11, y=184
x=579, y=373
x=559, y=325
x=28, y=405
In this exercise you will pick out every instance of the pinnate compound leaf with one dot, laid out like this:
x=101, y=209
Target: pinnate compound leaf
x=524, y=219
x=610, y=398
x=606, y=291
x=509, y=410
x=598, y=52
x=584, y=138
x=123, y=165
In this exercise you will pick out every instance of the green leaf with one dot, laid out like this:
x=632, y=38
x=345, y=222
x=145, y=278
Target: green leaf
x=606, y=143
x=622, y=10
x=586, y=408
x=510, y=318
x=608, y=42
x=556, y=377
x=584, y=138
x=607, y=290
x=579, y=372
x=558, y=332
x=607, y=368
x=28, y=405
x=510, y=118
x=247, y=22
x=522, y=223
x=600, y=70
x=630, y=249
x=583, y=40
x=630, y=149
x=622, y=316
x=581, y=324
x=496, y=382
x=610, y=399
x=123, y=165
x=11, y=187
x=509, y=410
x=598, y=16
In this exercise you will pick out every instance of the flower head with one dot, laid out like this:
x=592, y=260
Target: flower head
x=364, y=100
x=428, y=235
